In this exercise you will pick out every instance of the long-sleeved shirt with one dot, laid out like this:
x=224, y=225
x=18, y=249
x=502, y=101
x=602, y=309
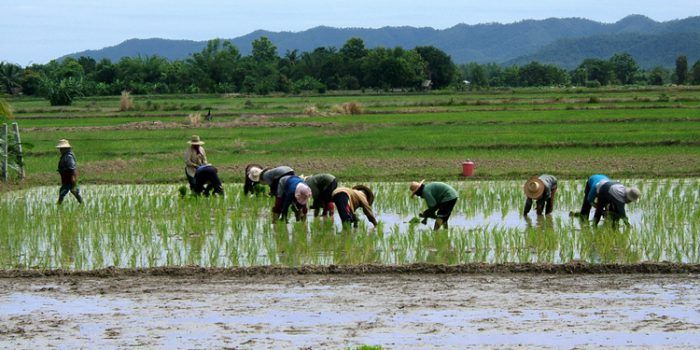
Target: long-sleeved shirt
x=193, y=159
x=287, y=187
x=358, y=200
x=67, y=163
x=611, y=195
x=249, y=185
x=594, y=184
x=436, y=193
x=318, y=183
x=550, y=187
x=271, y=175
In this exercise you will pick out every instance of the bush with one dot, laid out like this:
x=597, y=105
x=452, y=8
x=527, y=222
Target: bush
x=126, y=102
x=61, y=93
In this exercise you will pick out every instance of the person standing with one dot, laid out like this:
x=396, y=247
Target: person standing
x=322, y=187
x=541, y=189
x=347, y=200
x=441, y=199
x=195, y=156
x=68, y=169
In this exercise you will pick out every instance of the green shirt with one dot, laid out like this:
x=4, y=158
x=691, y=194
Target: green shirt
x=436, y=193
x=319, y=182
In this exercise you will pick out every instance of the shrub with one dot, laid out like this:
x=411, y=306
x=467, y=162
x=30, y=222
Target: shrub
x=126, y=102
x=194, y=119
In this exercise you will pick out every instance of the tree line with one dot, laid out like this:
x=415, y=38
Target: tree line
x=220, y=68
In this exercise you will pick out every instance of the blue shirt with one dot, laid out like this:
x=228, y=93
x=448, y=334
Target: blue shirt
x=592, y=184
x=290, y=187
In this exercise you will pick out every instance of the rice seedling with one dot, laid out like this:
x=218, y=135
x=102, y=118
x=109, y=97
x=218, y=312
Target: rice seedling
x=151, y=225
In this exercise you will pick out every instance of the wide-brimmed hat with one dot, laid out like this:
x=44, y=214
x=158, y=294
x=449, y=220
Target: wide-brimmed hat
x=302, y=193
x=195, y=140
x=534, y=187
x=63, y=143
x=415, y=186
x=633, y=194
x=254, y=174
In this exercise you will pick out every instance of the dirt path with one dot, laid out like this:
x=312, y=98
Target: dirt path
x=414, y=311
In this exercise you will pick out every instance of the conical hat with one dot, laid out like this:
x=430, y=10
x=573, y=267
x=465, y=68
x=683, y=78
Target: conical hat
x=63, y=143
x=415, y=186
x=534, y=187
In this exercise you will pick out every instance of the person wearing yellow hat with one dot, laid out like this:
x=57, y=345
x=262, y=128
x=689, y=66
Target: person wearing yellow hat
x=441, y=199
x=611, y=200
x=68, y=168
x=252, y=178
x=347, y=200
x=541, y=189
x=195, y=156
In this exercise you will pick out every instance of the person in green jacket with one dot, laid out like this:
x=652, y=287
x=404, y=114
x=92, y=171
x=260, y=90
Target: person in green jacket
x=441, y=199
x=322, y=187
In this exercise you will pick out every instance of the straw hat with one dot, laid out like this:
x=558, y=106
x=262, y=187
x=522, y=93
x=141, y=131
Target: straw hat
x=254, y=174
x=302, y=193
x=63, y=143
x=415, y=186
x=534, y=188
x=195, y=140
x=633, y=194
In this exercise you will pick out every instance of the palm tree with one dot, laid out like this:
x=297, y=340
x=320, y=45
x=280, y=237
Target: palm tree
x=9, y=77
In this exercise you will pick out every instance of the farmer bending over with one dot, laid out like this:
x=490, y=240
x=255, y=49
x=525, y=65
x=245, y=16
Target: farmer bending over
x=68, y=168
x=322, y=187
x=206, y=179
x=291, y=191
x=542, y=189
x=194, y=157
x=347, y=200
x=441, y=199
x=272, y=176
x=590, y=193
x=252, y=178
x=612, y=197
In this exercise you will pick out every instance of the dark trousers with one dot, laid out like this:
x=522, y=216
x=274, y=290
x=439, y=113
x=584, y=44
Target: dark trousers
x=586, y=206
x=69, y=183
x=207, y=180
x=342, y=203
x=275, y=183
x=325, y=199
x=445, y=210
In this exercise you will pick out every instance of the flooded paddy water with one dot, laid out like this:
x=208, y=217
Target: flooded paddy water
x=133, y=226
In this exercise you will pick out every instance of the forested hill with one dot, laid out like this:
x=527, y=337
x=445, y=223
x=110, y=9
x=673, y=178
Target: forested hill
x=500, y=43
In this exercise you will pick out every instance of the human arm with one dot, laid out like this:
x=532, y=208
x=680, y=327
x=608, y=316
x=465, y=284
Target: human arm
x=528, y=206
x=370, y=216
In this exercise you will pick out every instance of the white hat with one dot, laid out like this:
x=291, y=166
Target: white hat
x=63, y=143
x=302, y=193
x=254, y=174
x=195, y=140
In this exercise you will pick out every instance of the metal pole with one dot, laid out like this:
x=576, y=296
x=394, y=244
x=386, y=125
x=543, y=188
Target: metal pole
x=20, y=162
x=4, y=154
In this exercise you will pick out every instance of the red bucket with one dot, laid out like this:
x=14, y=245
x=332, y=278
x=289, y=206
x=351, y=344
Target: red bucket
x=468, y=168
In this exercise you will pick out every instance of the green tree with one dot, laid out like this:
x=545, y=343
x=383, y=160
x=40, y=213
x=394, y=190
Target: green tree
x=598, y=70
x=625, y=68
x=695, y=73
x=264, y=51
x=61, y=92
x=441, y=69
x=10, y=76
x=658, y=76
x=681, y=70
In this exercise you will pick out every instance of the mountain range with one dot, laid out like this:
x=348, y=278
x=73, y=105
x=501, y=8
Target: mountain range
x=561, y=41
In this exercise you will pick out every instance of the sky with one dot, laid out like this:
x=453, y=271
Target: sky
x=36, y=31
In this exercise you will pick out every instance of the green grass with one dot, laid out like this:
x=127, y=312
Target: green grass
x=509, y=134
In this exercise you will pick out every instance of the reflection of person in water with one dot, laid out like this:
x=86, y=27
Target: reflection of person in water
x=543, y=222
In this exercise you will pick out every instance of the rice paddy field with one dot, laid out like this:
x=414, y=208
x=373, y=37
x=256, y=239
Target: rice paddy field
x=143, y=226
x=140, y=266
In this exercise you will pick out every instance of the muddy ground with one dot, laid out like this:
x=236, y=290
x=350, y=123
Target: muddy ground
x=402, y=311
